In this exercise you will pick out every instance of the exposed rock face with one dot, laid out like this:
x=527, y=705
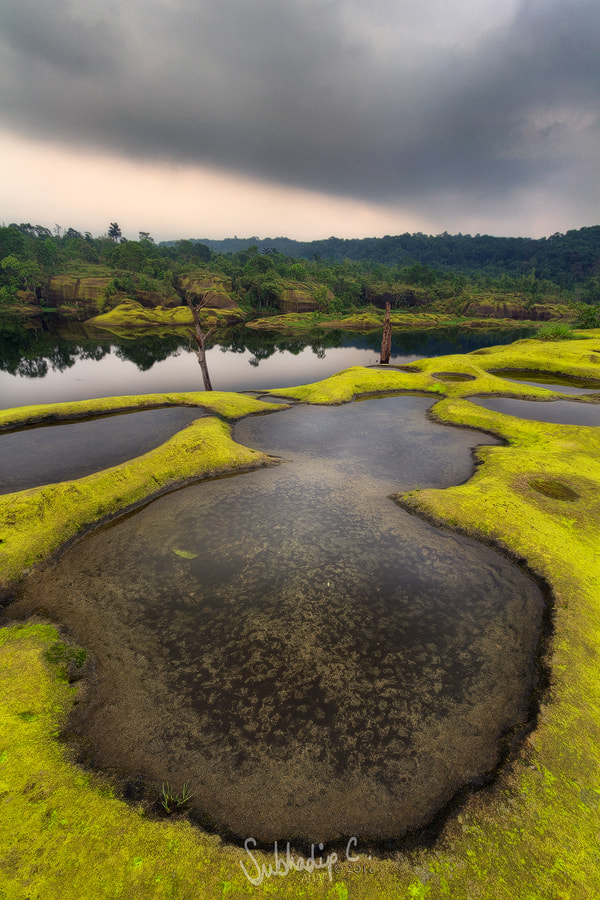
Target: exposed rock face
x=69, y=289
x=297, y=300
x=28, y=297
x=536, y=313
x=217, y=290
x=92, y=293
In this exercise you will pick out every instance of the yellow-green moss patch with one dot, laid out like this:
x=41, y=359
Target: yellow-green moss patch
x=353, y=382
x=372, y=320
x=536, y=835
x=228, y=405
x=131, y=314
x=422, y=377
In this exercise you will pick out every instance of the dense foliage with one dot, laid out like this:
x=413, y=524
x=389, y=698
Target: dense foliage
x=333, y=275
x=566, y=259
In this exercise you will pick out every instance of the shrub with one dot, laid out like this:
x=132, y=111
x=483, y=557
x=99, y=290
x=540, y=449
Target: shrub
x=555, y=332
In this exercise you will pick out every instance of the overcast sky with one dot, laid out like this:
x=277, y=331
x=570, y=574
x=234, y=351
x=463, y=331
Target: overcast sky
x=304, y=118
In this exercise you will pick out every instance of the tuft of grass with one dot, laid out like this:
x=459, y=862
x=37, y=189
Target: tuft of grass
x=171, y=801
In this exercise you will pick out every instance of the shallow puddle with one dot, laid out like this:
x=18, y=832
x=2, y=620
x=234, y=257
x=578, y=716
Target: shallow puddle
x=557, y=412
x=453, y=376
x=46, y=454
x=564, y=384
x=310, y=659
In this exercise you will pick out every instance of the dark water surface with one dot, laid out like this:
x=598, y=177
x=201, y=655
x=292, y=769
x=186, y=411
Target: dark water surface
x=558, y=412
x=313, y=661
x=565, y=384
x=46, y=454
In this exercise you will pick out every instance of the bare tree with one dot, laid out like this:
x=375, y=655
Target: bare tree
x=200, y=337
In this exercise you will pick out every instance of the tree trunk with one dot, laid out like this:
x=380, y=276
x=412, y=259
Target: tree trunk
x=200, y=338
x=386, y=341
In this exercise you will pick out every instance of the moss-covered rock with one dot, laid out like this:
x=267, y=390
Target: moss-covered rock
x=536, y=312
x=217, y=290
x=371, y=319
x=129, y=314
x=66, y=289
x=61, y=511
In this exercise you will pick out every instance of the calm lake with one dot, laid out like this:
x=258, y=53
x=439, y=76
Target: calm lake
x=47, y=361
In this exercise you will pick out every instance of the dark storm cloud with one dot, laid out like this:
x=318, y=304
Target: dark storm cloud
x=364, y=99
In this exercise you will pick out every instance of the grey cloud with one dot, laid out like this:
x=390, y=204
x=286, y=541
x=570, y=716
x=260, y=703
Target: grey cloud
x=298, y=92
x=54, y=35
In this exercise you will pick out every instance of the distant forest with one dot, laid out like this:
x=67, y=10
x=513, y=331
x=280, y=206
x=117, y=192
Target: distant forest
x=67, y=267
x=565, y=259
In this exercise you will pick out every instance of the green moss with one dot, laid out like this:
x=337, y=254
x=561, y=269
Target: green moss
x=557, y=490
x=372, y=320
x=222, y=403
x=534, y=834
x=540, y=802
x=130, y=314
x=353, y=382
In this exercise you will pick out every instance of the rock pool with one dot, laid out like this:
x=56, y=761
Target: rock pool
x=313, y=661
x=44, y=454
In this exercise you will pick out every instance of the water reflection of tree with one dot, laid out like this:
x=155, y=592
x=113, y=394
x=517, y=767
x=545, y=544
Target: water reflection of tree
x=30, y=351
x=150, y=349
x=32, y=368
x=52, y=343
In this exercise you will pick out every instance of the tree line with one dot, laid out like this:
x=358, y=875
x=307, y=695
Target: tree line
x=339, y=274
x=566, y=259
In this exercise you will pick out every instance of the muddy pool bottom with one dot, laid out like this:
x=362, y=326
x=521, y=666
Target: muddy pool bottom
x=309, y=659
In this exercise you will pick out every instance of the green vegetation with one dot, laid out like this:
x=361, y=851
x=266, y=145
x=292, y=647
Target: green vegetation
x=532, y=835
x=172, y=801
x=459, y=277
x=555, y=332
x=564, y=259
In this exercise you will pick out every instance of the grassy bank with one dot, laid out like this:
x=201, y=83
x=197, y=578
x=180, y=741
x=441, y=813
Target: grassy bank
x=372, y=320
x=533, y=834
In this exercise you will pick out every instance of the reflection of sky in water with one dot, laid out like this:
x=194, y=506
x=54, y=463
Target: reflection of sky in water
x=112, y=376
x=50, y=453
x=558, y=412
x=551, y=381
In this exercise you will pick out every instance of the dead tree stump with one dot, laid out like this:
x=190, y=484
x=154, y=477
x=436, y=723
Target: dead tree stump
x=386, y=341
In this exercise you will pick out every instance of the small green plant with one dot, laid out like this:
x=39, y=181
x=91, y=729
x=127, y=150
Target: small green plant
x=171, y=801
x=555, y=332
